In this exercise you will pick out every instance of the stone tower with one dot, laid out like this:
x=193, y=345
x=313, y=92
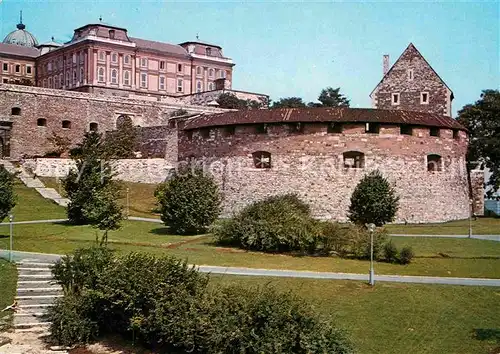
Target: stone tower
x=411, y=84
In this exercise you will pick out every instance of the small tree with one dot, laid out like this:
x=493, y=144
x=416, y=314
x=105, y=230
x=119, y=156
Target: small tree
x=121, y=143
x=289, y=102
x=373, y=201
x=189, y=202
x=92, y=192
x=230, y=101
x=7, y=195
x=330, y=97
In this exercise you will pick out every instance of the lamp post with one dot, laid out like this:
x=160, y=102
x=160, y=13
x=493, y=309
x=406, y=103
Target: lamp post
x=128, y=203
x=11, y=219
x=371, y=229
x=470, y=217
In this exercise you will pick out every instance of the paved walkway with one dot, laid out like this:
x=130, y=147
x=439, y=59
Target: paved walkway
x=478, y=237
x=19, y=256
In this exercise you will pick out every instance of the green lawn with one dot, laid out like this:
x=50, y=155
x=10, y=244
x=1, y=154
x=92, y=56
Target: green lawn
x=400, y=318
x=31, y=206
x=8, y=281
x=481, y=226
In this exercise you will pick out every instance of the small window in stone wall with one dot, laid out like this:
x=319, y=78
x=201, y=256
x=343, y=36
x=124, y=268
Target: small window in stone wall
x=41, y=122
x=66, y=124
x=93, y=127
x=456, y=134
x=261, y=128
x=261, y=159
x=434, y=163
x=15, y=111
x=205, y=133
x=229, y=131
x=395, y=99
x=354, y=159
x=373, y=128
x=189, y=135
x=296, y=127
x=334, y=128
x=434, y=131
x=406, y=130
x=424, y=98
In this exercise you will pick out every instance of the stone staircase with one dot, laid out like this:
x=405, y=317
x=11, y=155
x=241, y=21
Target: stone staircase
x=36, y=292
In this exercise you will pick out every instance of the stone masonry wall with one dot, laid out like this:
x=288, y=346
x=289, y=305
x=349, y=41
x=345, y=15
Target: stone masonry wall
x=130, y=170
x=310, y=163
x=424, y=80
x=81, y=109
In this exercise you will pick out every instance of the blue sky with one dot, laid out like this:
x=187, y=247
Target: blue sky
x=297, y=48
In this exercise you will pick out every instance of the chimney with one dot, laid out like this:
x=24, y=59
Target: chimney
x=386, y=63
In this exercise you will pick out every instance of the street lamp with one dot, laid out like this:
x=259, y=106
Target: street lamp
x=11, y=219
x=371, y=229
x=128, y=203
x=471, y=207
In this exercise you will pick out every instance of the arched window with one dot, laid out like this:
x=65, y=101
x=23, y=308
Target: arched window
x=81, y=75
x=93, y=127
x=434, y=163
x=122, y=119
x=198, y=70
x=126, y=78
x=75, y=78
x=211, y=86
x=100, y=74
x=114, y=76
x=354, y=159
x=261, y=159
x=41, y=122
x=211, y=72
x=66, y=124
x=126, y=59
x=198, y=86
x=114, y=58
x=50, y=82
x=102, y=55
x=15, y=111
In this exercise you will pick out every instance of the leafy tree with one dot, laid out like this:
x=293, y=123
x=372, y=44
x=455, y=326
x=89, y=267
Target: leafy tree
x=121, y=143
x=289, y=102
x=189, y=202
x=230, y=101
x=92, y=192
x=482, y=119
x=61, y=143
x=330, y=97
x=373, y=201
x=7, y=195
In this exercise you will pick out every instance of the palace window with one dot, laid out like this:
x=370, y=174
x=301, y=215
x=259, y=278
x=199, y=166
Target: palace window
x=100, y=74
x=354, y=159
x=102, y=55
x=5, y=80
x=93, y=127
x=395, y=99
x=66, y=124
x=211, y=86
x=162, y=83
x=15, y=111
x=144, y=62
x=334, y=128
x=75, y=79
x=198, y=86
x=28, y=69
x=180, y=85
x=373, y=128
x=261, y=159
x=61, y=80
x=144, y=80
x=112, y=34
x=74, y=58
x=434, y=131
x=179, y=68
x=224, y=73
x=434, y=163
x=126, y=78
x=41, y=122
x=18, y=68
x=126, y=59
x=162, y=65
x=406, y=129
x=208, y=51
x=198, y=70
x=5, y=67
x=50, y=82
x=81, y=75
x=114, y=76
x=211, y=72
x=114, y=58
x=424, y=98
x=67, y=78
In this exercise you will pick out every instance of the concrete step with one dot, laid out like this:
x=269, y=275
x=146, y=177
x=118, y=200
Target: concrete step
x=34, y=308
x=27, y=268
x=35, y=283
x=24, y=264
x=39, y=291
x=34, y=271
x=29, y=318
x=37, y=299
x=35, y=277
x=37, y=325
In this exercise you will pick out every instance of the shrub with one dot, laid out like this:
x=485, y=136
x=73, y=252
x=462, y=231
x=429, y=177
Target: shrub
x=360, y=242
x=334, y=237
x=406, y=255
x=276, y=224
x=7, y=194
x=373, y=201
x=391, y=252
x=189, y=202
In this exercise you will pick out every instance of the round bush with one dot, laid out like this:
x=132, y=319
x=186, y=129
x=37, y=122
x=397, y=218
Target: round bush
x=406, y=255
x=189, y=202
x=390, y=252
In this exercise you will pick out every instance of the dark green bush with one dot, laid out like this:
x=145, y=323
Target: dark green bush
x=170, y=307
x=7, y=194
x=391, y=254
x=334, y=238
x=360, y=242
x=406, y=255
x=189, y=202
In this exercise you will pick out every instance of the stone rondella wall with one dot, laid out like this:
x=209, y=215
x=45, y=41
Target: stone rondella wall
x=130, y=170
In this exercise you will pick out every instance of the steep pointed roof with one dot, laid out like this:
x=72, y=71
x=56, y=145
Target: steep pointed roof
x=411, y=47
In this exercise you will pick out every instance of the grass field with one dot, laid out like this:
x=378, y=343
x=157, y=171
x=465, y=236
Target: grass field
x=8, y=281
x=400, y=318
x=31, y=206
x=480, y=226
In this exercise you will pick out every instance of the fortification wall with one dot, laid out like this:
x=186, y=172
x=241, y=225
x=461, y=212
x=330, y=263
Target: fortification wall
x=311, y=164
x=42, y=112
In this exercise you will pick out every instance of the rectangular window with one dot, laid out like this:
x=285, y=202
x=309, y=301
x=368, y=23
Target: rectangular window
x=434, y=131
x=28, y=69
x=334, y=128
x=410, y=74
x=126, y=78
x=180, y=85
x=102, y=56
x=144, y=62
x=74, y=58
x=18, y=68
x=395, y=99
x=261, y=129
x=144, y=80
x=424, y=98
x=5, y=67
x=406, y=130
x=372, y=128
x=162, y=83
x=179, y=68
x=209, y=52
x=5, y=81
x=162, y=65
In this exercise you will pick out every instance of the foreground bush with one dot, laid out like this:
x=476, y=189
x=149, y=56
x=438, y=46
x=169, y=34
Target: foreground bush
x=7, y=194
x=189, y=202
x=171, y=308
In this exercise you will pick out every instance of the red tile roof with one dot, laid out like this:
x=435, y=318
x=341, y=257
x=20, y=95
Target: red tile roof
x=283, y=115
x=18, y=50
x=159, y=46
